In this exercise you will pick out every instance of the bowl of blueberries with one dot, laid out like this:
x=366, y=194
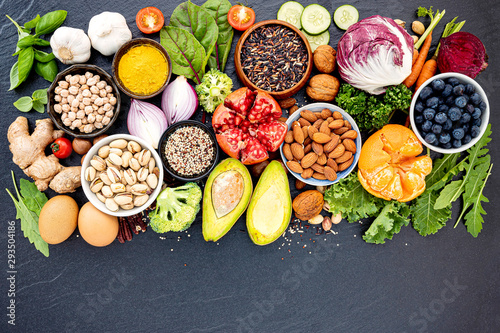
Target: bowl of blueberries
x=449, y=113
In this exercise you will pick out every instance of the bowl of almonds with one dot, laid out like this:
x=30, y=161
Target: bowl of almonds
x=322, y=144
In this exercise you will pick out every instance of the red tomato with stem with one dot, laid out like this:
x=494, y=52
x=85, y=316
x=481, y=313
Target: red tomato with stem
x=149, y=20
x=61, y=148
x=241, y=17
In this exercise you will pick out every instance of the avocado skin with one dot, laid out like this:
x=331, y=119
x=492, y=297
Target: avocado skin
x=214, y=228
x=274, y=175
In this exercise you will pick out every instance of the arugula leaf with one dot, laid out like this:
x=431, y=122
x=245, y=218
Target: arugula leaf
x=442, y=170
x=219, y=9
x=446, y=196
x=425, y=218
x=393, y=216
x=474, y=220
x=32, y=197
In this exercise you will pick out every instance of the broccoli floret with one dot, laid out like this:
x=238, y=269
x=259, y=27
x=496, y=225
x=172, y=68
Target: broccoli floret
x=176, y=208
x=213, y=89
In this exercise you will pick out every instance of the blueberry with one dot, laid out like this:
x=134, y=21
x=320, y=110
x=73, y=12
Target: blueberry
x=482, y=106
x=448, y=125
x=447, y=145
x=453, y=81
x=432, y=102
x=443, y=108
x=429, y=113
x=476, y=122
x=475, y=98
x=426, y=126
x=458, y=90
x=436, y=128
x=419, y=119
x=419, y=106
x=466, y=127
x=458, y=133
x=444, y=137
x=466, y=139
x=474, y=131
x=469, y=108
x=430, y=138
x=440, y=100
x=454, y=113
x=450, y=101
x=438, y=85
x=447, y=90
x=460, y=101
x=440, y=118
x=469, y=89
x=457, y=143
x=477, y=113
x=465, y=118
x=425, y=93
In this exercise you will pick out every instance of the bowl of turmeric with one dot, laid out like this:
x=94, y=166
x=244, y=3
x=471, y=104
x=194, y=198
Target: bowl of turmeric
x=142, y=68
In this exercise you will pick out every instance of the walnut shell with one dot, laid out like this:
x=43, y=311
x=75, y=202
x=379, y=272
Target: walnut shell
x=308, y=204
x=324, y=58
x=323, y=87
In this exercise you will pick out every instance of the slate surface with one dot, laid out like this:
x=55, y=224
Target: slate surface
x=448, y=282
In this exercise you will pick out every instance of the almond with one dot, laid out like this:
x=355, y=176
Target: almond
x=289, y=137
x=308, y=115
x=299, y=184
x=298, y=135
x=303, y=122
x=349, y=145
x=337, y=152
x=309, y=160
x=311, y=130
x=337, y=115
x=347, y=124
x=322, y=159
x=337, y=123
x=321, y=137
x=325, y=113
x=287, y=103
x=304, y=130
x=329, y=173
x=330, y=119
x=318, y=176
x=350, y=134
x=307, y=148
x=296, y=150
x=346, y=164
x=287, y=151
x=317, y=148
x=332, y=164
x=307, y=141
x=329, y=146
x=307, y=173
x=318, y=123
x=292, y=110
x=294, y=166
x=318, y=168
x=318, y=115
x=345, y=156
x=283, y=119
x=324, y=128
x=340, y=131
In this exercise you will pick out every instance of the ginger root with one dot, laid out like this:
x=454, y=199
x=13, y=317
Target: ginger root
x=28, y=152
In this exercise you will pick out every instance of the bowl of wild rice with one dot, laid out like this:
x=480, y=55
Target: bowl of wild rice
x=188, y=150
x=273, y=56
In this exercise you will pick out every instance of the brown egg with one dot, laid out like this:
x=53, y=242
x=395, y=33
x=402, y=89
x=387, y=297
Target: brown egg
x=96, y=227
x=58, y=219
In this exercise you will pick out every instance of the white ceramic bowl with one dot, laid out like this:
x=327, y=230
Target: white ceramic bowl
x=93, y=198
x=485, y=117
x=342, y=174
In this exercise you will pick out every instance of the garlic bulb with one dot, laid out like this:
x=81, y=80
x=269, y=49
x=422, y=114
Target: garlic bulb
x=70, y=45
x=108, y=32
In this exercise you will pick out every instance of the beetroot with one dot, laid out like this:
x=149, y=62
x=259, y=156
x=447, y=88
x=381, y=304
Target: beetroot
x=462, y=52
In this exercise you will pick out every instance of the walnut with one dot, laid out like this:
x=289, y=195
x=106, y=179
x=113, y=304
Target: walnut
x=308, y=204
x=324, y=58
x=323, y=87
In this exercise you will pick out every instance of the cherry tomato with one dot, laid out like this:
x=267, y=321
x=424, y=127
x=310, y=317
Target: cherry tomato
x=240, y=17
x=61, y=147
x=149, y=20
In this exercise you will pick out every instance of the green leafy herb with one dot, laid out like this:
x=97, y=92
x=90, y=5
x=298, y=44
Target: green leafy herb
x=50, y=22
x=218, y=9
x=25, y=63
x=37, y=101
x=389, y=221
x=31, y=40
x=43, y=56
x=21, y=32
x=24, y=104
x=47, y=70
x=31, y=24
x=474, y=219
x=29, y=203
x=425, y=218
x=14, y=76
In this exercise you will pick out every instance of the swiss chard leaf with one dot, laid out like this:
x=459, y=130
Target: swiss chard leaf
x=50, y=22
x=218, y=9
x=47, y=70
x=198, y=22
x=474, y=219
x=392, y=217
x=187, y=54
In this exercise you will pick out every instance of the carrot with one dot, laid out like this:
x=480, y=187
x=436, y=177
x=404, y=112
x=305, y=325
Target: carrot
x=417, y=66
x=415, y=56
x=428, y=70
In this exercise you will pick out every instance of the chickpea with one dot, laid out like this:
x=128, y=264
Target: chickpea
x=57, y=98
x=106, y=120
x=84, y=86
x=68, y=77
x=57, y=90
x=71, y=98
x=109, y=114
x=64, y=93
x=94, y=90
x=58, y=108
x=81, y=106
x=82, y=79
x=74, y=80
x=86, y=93
x=98, y=101
x=101, y=84
x=76, y=123
x=112, y=100
x=72, y=109
x=105, y=100
x=79, y=97
x=98, y=118
x=94, y=97
x=107, y=107
x=95, y=107
x=73, y=90
x=63, y=84
x=88, y=128
x=109, y=89
x=102, y=93
x=64, y=116
x=67, y=122
x=75, y=103
x=65, y=107
x=80, y=114
x=97, y=77
x=71, y=115
x=87, y=101
x=88, y=75
x=91, y=118
x=98, y=125
x=64, y=100
x=88, y=109
x=84, y=121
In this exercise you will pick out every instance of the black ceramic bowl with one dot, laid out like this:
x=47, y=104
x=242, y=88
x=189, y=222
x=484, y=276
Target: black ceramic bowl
x=81, y=70
x=163, y=142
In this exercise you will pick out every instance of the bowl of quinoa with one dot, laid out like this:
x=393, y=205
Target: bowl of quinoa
x=188, y=150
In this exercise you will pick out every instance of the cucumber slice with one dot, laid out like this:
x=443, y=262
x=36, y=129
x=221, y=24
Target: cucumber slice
x=290, y=12
x=317, y=40
x=315, y=19
x=345, y=16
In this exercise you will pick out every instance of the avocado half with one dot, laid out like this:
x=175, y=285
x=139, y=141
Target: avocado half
x=270, y=209
x=227, y=193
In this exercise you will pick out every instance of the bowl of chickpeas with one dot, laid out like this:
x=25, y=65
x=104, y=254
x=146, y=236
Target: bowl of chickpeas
x=83, y=101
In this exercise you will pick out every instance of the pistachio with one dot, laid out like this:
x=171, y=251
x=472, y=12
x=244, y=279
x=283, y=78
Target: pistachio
x=124, y=198
x=144, y=157
x=98, y=163
x=116, y=151
x=326, y=224
x=111, y=205
x=115, y=159
x=117, y=187
x=140, y=200
x=151, y=164
x=103, y=152
x=106, y=191
x=90, y=174
x=337, y=218
x=123, y=180
x=142, y=174
x=101, y=197
x=130, y=177
x=156, y=171
x=126, y=159
x=139, y=189
x=134, y=164
x=128, y=206
x=134, y=147
x=118, y=143
x=104, y=177
x=152, y=180
x=96, y=185
x=316, y=220
x=114, y=175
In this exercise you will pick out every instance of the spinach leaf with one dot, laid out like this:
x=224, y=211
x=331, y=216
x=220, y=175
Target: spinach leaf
x=198, y=22
x=50, y=22
x=24, y=104
x=31, y=40
x=47, y=70
x=25, y=63
x=14, y=76
x=40, y=95
x=31, y=24
x=219, y=9
x=187, y=54
x=43, y=56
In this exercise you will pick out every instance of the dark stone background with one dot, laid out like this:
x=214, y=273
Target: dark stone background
x=326, y=283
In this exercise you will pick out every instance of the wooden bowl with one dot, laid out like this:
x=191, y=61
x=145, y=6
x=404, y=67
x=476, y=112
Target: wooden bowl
x=246, y=81
x=124, y=49
x=81, y=70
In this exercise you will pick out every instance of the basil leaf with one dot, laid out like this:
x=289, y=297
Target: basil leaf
x=25, y=62
x=198, y=22
x=187, y=54
x=218, y=9
x=24, y=104
x=21, y=33
x=31, y=24
x=31, y=40
x=38, y=106
x=50, y=22
x=40, y=95
x=47, y=70
x=14, y=77
x=43, y=56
